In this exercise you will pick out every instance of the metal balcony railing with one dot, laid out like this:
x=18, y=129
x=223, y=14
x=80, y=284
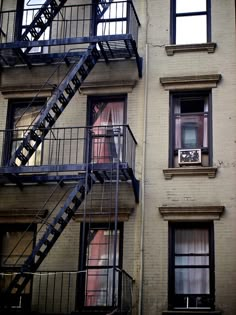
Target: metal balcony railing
x=74, y=146
x=54, y=292
x=72, y=22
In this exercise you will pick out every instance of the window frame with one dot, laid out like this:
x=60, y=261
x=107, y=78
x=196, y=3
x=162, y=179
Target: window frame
x=174, y=15
x=81, y=279
x=174, y=98
x=19, y=227
x=102, y=98
x=20, y=27
x=171, y=266
x=12, y=105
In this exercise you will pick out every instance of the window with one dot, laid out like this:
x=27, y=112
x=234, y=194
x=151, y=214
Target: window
x=190, y=21
x=27, y=11
x=106, y=115
x=114, y=19
x=190, y=123
x=16, y=244
x=21, y=115
x=97, y=284
x=191, y=266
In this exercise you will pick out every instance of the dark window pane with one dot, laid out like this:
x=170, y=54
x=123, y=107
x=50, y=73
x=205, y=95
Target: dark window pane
x=191, y=131
x=191, y=260
x=191, y=241
x=192, y=281
x=189, y=136
x=192, y=106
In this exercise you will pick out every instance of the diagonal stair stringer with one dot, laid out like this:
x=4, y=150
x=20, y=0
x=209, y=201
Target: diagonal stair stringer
x=54, y=107
x=41, y=21
x=49, y=238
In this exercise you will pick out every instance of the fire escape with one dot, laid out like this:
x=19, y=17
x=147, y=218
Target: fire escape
x=92, y=42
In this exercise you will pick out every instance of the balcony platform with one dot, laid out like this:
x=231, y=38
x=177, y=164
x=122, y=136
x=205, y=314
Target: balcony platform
x=116, y=36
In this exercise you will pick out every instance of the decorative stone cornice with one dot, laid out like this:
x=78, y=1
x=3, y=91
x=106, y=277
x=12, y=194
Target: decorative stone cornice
x=191, y=213
x=190, y=82
x=106, y=216
x=172, y=49
x=190, y=171
x=98, y=88
x=22, y=215
x=21, y=91
x=192, y=312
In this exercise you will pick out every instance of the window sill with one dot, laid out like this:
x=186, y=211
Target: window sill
x=202, y=213
x=189, y=312
x=172, y=49
x=190, y=171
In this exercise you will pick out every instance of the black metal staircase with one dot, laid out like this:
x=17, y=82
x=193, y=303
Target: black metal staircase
x=41, y=126
x=102, y=7
x=49, y=238
x=42, y=20
x=54, y=107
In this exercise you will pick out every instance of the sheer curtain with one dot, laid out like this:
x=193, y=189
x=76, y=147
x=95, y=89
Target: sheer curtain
x=105, y=139
x=192, y=261
x=99, y=282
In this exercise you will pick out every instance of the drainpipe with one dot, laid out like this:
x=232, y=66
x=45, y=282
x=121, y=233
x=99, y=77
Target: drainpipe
x=143, y=183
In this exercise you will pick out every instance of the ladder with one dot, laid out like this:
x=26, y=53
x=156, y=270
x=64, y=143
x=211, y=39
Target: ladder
x=54, y=107
x=41, y=21
x=102, y=8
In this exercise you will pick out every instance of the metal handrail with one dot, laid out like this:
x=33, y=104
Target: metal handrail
x=70, y=19
x=53, y=291
x=67, y=145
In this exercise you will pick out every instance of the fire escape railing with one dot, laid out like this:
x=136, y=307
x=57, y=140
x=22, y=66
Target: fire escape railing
x=55, y=292
x=67, y=146
x=72, y=22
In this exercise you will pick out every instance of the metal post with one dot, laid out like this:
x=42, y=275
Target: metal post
x=116, y=215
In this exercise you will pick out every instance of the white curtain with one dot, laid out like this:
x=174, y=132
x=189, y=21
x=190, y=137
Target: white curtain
x=191, y=249
x=205, y=125
x=111, y=115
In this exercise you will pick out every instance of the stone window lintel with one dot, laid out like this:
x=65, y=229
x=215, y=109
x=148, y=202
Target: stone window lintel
x=191, y=213
x=190, y=82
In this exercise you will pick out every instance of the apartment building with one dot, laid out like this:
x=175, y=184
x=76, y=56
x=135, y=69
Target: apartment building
x=117, y=157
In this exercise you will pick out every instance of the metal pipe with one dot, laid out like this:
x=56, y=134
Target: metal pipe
x=116, y=218
x=140, y=311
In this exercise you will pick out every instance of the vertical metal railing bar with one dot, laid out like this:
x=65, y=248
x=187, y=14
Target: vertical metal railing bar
x=63, y=150
x=68, y=295
x=54, y=291
x=116, y=219
x=70, y=145
x=57, y=148
x=39, y=289
x=62, y=276
x=46, y=294
x=83, y=253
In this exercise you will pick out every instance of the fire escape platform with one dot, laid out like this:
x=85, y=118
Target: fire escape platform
x=112, y=47
x=100, y=172
x=69, y=34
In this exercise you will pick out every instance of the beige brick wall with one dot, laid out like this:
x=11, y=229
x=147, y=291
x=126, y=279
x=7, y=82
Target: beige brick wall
x=190, y=191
